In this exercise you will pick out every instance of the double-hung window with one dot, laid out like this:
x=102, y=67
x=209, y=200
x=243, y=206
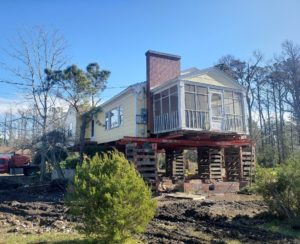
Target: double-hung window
x=114, y=118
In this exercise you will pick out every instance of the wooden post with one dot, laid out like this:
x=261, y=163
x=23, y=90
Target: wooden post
x=241, y=164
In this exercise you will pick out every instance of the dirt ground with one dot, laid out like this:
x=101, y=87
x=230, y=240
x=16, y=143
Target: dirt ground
x=233, y=219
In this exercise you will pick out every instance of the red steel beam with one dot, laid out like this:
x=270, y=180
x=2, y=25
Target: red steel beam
x=188, y=143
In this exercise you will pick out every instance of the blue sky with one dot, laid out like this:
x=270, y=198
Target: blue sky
x=117, y=34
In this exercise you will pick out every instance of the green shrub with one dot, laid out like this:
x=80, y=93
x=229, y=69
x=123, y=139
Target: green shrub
x=111, y=198
x=70, y=162
x=280, y=188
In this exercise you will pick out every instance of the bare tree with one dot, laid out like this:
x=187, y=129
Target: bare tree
x=244, y=73
x=291, y=66
x=33, y=53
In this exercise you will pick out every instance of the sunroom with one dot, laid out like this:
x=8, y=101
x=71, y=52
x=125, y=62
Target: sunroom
x=199, y=105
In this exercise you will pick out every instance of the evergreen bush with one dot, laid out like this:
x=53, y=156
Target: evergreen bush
x=111, y=198
x=71, y=161
x=280, y=188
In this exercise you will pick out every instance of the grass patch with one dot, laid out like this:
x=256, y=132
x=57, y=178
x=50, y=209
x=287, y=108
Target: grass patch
x=199, y=234
x=50, y=238
x=282, y=227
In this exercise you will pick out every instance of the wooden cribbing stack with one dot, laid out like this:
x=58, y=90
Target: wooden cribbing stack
x=144, y=158
x=216, y=157
x=248, y=164
x=232, y=163
x=174, y=164
x=203, y=163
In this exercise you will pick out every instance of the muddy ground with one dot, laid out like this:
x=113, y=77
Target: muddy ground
x=215, y=220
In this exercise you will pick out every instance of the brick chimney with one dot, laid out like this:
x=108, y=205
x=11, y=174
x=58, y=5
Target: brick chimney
x=161, y=67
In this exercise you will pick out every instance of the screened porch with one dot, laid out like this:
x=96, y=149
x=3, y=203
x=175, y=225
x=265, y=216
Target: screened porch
x=194, y=106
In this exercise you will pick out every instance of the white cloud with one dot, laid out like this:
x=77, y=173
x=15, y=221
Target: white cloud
x=19, y=103
x=13, y=105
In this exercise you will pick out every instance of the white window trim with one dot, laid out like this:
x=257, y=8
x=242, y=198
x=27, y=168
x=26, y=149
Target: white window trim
x=120, y=122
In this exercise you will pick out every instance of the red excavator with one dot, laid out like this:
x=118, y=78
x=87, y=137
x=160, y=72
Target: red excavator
x=9, y=164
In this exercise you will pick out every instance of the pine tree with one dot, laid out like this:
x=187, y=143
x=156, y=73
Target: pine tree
x=111, y=198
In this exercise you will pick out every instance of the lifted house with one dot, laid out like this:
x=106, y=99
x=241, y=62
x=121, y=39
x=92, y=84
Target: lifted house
x=176, y=110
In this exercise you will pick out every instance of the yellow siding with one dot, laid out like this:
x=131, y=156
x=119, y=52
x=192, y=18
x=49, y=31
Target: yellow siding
x=206, y=79
x=128, y=128
x=214, y=79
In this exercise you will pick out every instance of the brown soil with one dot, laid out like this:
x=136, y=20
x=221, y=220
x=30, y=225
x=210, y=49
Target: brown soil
x=30, y=210
x=215, y=220
x=212, y=221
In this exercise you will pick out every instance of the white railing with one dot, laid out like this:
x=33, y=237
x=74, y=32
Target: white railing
x=234, y=123
x=166, y=122
x=201, y=120
x=197, y=119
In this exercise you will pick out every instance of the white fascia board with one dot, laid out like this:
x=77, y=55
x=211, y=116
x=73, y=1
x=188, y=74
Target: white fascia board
x=213, y=86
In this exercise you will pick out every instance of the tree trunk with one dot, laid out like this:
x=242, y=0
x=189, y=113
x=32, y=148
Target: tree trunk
x=82, y=137
x=43, y=153
x=56, y=165
x=261, y=115
x=270, y=132
x=44, y=141
x=281, y=125
x=276, y=123
x=250, y=116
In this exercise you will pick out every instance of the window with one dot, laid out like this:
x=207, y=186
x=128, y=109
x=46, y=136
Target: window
x=121, y=115
x=228, y=103
x=216, y=104
x=114, y=118
x=196, y=98
x=165, y=106
x=233, y=103
x=106, y=121
x=92, y=128
x=157, y=108
x=166, y=101
x=196, y=106
x=174, y=102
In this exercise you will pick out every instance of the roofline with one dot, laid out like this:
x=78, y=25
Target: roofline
x=123, y=92
x=207, y=70
x=196, y=73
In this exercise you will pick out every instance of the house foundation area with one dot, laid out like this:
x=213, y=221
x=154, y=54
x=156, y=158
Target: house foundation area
x=222, y=164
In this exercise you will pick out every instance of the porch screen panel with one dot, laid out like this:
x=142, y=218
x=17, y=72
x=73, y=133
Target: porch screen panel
x=237, y=102
x=233, y=111
x=196, y=107
x=165, y=105
x=166, y=110
x=157, y=107
x=190, y=101
x=228, y=103
x=174, y=102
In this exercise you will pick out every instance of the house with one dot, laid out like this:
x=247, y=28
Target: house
x=72, y=126
x=176, y=110
x=123, y=115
